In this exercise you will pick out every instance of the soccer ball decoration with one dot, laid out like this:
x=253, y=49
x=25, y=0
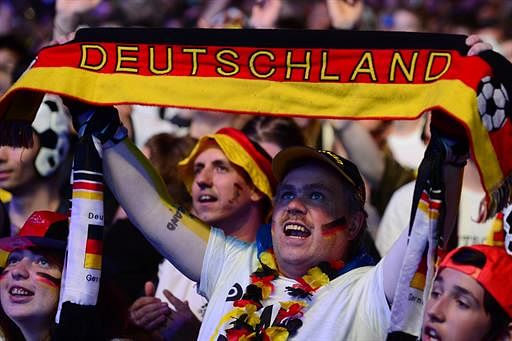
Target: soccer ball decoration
x=493, y=103
x=507, y=226
x=52, y=125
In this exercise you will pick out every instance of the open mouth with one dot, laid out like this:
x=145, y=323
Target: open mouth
x=206, y=198
x=431, y=333
x=4, y=174
x=296, y=230
x=20, y=292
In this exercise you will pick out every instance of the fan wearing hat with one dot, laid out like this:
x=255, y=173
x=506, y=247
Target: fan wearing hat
x=304, y=278
x=471, y=297
x=230, y=180
x=32, y=264
x=32, y=175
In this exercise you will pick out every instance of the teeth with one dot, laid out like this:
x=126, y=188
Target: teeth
x=432, y=333
x=206, y=197
x=20, y=292
x=294, y=227
x=296, y=231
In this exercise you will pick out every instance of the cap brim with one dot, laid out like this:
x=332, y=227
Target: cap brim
x=10, y=244
x=292, y=158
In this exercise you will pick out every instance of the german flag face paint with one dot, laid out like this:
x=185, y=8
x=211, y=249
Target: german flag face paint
x=337, y=225
x=30, y=284
x=309, y=219
x=220, y=193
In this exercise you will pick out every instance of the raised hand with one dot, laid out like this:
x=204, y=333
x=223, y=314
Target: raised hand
x=181, y=323
x=149, y=312
x=75, y=6
x=265, y=13
x=67, y=17
x=476, y=45
x=101, y=121
x=345, y=14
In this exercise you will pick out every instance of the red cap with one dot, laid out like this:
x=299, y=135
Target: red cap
x=494, y=276
x=42, y=229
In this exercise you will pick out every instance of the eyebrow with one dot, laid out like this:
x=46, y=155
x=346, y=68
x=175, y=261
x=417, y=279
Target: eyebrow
x=217, y=162
x=459, y=291
x=318, y=186
x=314, y=186
x=221, y=162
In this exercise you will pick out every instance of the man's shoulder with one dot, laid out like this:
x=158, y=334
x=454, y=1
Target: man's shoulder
x=358, y=279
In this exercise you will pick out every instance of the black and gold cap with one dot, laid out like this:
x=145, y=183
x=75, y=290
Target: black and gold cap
x=294, y=157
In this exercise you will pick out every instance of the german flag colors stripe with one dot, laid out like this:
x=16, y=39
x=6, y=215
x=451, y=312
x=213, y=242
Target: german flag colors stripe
x=318, y=74
x=94, y=247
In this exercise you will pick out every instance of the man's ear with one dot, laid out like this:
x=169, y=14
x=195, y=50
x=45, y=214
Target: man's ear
x=356, y=224
x=256, y=195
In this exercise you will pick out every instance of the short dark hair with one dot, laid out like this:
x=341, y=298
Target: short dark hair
x=166, y=150
x=282, y=131
x=17, y=45
x=499, y=317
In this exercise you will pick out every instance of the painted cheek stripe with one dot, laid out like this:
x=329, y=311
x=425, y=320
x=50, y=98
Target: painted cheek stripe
x=334, y=226
x=48, y=279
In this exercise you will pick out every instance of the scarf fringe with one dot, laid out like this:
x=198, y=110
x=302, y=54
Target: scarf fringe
x=497, y=200
x=16, y=133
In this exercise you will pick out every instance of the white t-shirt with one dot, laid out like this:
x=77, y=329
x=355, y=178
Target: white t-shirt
x=397, y=214
x=351, y=307
x=181, y=287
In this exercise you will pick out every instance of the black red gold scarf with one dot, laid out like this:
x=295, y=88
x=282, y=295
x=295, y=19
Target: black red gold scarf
x=322, y=74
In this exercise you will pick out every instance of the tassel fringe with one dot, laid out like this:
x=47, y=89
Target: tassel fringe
x=497, y=200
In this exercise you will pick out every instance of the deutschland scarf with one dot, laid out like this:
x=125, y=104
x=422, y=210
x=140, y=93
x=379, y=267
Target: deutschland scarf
x=321, y=74
x=77, y=314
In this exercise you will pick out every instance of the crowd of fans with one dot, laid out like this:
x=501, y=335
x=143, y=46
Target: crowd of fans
x=387, y=154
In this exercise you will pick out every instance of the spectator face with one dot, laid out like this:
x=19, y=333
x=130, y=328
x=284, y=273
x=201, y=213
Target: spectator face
x=30, y=285
x=455, y=310
x=220, y=193
x=5, y=81
x=8, y=59
x=17, y=168
x=308, y=199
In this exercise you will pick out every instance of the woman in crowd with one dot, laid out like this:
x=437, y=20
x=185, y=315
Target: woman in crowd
x=32, y=272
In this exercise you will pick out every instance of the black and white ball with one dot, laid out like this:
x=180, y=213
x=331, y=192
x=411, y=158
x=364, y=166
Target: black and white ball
x=52, y=124
x=507, y=226
x=493, y=103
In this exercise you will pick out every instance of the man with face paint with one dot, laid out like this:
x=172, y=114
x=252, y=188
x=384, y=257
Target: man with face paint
x=230, y=180
x=32, y=264
x=304, y=277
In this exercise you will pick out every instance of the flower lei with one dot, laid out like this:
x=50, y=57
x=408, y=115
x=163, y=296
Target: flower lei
x=246, y=313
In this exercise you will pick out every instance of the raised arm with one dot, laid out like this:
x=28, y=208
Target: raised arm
x=452, y=168
x=178, y=236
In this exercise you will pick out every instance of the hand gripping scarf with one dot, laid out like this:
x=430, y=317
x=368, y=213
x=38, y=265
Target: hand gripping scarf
x=320, y=74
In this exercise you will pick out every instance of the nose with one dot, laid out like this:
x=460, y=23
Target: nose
x=437, y=309
x=3, y=154
x=21, y=269
x=203, y=179
x=296, y=206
